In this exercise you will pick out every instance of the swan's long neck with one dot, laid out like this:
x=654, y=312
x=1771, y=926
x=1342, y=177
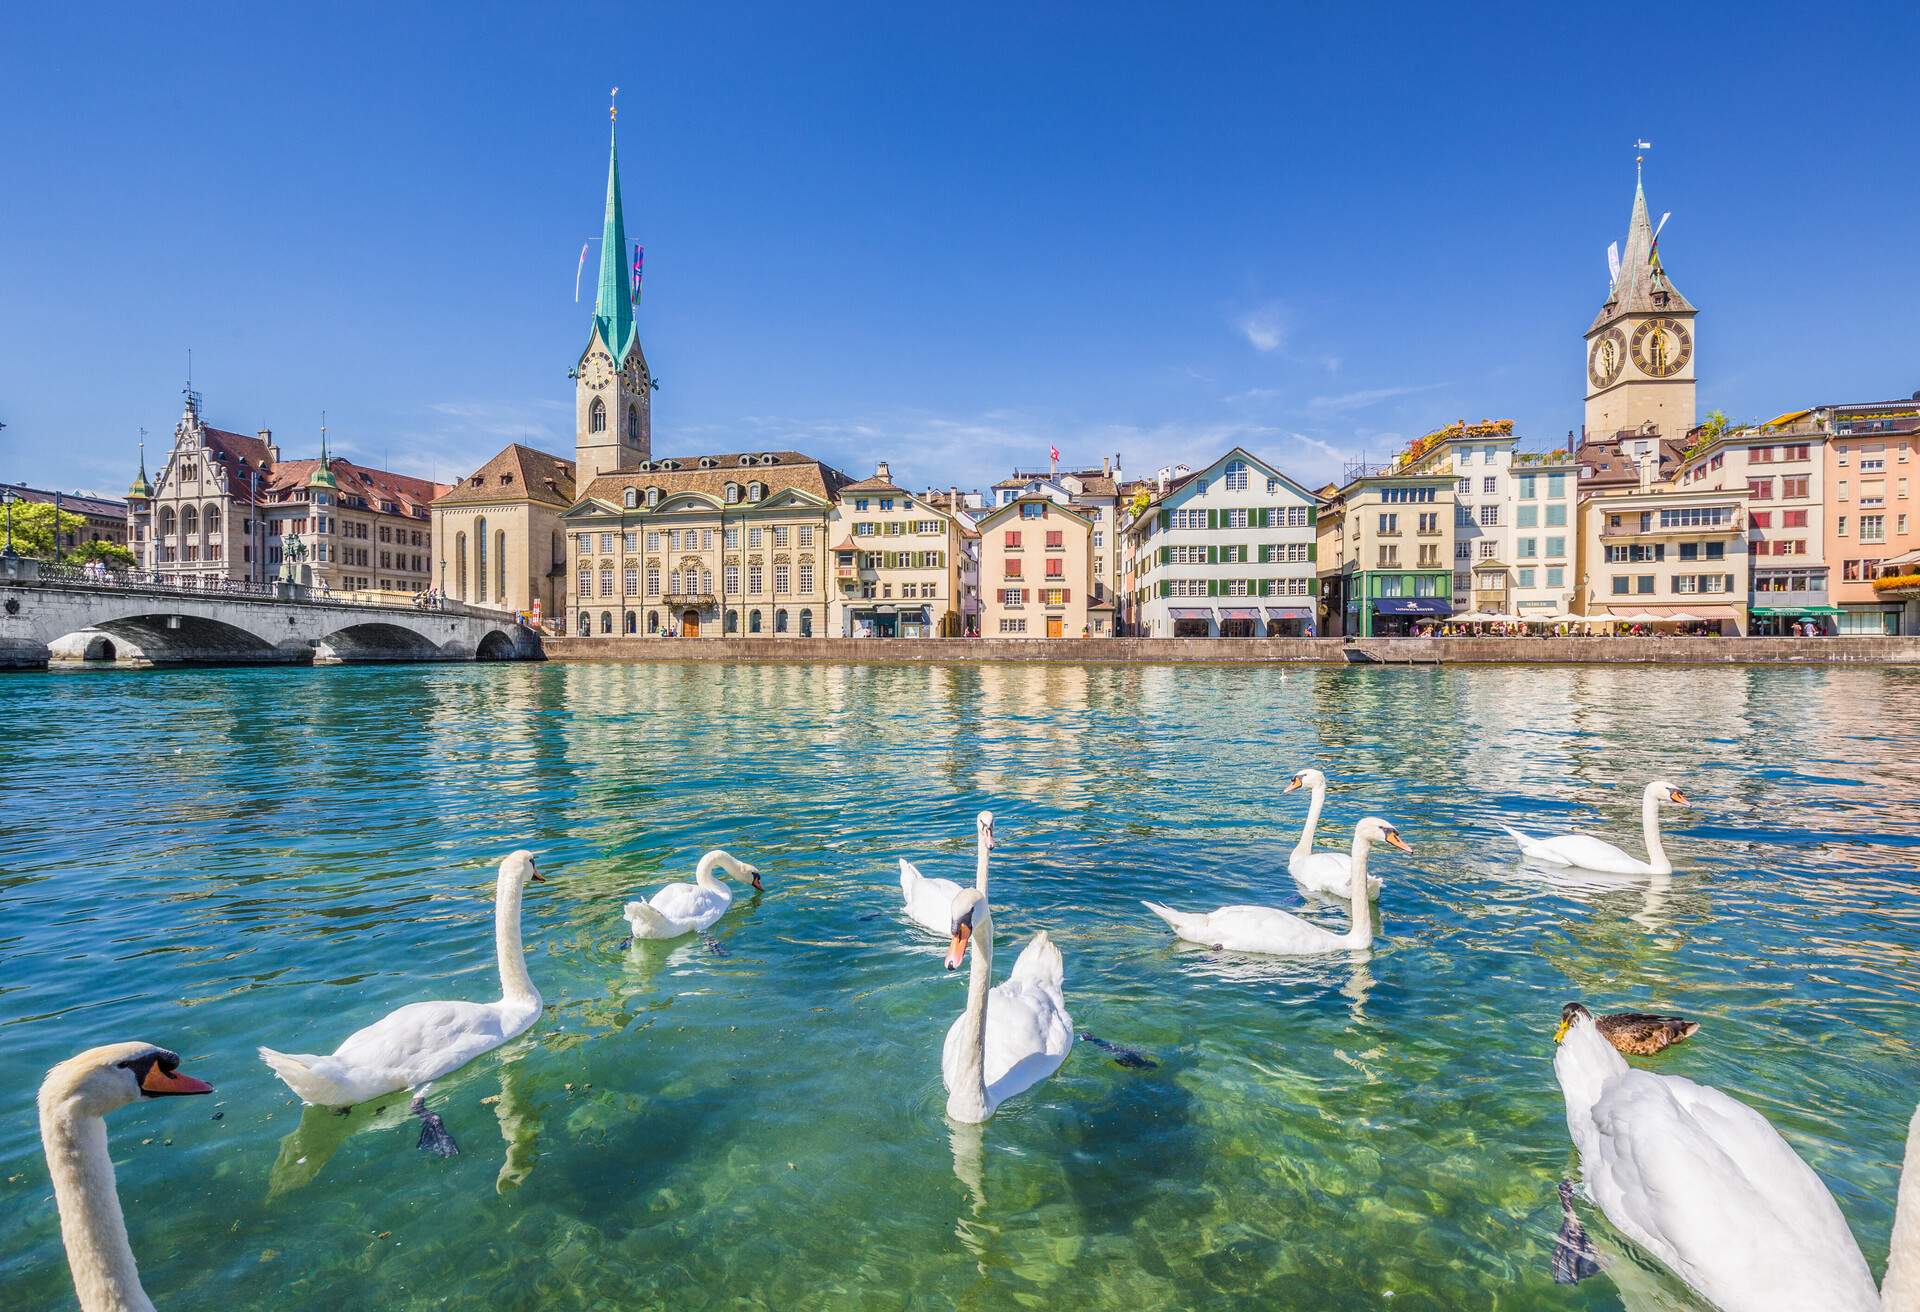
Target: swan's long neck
x=515, y=984
x=1583, y=1063
x=703, y=875
x=967, y=1100
x=1304, y=848
x=1650, y=829
x=980, y=864
x=1900, y=1291
x=95, y=1233
x=1360, y=927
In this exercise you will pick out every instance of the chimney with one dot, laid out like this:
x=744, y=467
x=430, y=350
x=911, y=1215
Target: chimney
x=881, y=471
x=953, y=496
x=1106, y=466
x=1161, y=479
x=1647, y=465
x=273, y=452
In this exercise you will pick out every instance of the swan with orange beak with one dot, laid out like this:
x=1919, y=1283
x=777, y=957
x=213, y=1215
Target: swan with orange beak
x=1011, y=1036
x=1585, y=852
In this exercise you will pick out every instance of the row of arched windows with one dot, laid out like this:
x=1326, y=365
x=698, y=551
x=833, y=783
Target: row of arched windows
x=782, y=620
x=189, y=520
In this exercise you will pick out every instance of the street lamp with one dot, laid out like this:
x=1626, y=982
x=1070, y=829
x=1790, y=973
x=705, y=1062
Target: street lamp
x=7, y=497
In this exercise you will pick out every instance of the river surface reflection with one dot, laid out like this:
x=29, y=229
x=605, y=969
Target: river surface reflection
x=213, y=860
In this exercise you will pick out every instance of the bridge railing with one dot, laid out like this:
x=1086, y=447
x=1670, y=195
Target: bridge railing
x=108, y=579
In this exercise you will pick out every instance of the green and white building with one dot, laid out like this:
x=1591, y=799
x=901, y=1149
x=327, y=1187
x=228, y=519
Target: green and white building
x=1227, y=551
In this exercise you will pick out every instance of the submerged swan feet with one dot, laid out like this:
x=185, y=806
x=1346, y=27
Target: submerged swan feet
x=1574, y=1256
x=433, y=1131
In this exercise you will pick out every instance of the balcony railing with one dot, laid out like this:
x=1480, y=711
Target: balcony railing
x=1631, y=528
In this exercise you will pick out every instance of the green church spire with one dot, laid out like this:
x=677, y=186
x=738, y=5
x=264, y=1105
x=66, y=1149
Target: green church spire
x=322, y=475
x=613, y=307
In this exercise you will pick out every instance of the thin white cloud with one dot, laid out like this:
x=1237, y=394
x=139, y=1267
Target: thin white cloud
x=1267, y=328
x=1369, y=396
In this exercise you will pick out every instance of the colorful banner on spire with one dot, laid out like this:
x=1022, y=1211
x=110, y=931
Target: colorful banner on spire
x=639, y=262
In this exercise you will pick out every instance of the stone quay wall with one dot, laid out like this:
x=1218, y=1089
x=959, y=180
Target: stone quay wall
x=1253, y=651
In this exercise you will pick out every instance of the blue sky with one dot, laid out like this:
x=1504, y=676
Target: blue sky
x=945, y=240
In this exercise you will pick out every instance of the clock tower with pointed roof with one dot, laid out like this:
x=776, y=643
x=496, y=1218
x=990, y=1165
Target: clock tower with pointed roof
x=1640, y=347
x=613, y=391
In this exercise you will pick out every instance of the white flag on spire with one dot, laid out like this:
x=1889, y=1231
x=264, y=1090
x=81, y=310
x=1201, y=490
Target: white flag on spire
x=1613, y=263
x=576, y=272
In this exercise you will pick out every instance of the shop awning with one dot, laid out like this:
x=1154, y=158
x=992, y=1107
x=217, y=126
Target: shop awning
x=1239, y=613
x=1793, y=610
x=1191, y=612
x=1412, y=606
x=1288, y=613
x=1653, y=614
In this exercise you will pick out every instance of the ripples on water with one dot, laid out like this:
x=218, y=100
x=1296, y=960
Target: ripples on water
x=212, y=860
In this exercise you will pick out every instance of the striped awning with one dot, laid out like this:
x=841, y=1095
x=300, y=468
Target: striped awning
x=1191, y=612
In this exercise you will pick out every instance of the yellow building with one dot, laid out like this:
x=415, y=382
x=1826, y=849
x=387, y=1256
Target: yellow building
x=499, y=534
x=897, y=560
x=1036, y=572
x=701, y=546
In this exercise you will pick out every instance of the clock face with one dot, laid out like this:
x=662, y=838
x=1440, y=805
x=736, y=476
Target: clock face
x=634, y=376
x=598, y=371
x=1661, y=347
x=1604, y=361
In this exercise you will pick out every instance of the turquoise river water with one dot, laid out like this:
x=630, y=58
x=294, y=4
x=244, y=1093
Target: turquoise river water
x=212, y=860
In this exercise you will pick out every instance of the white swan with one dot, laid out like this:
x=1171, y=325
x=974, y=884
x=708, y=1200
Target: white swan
x=74, y=1098
x=1320, y=872
x=683, y=908
x=423, y=1041
x=930, y=901
x=1585, y=852
x=1263, y=929
x=1706, y=1185
x=1011, y=1036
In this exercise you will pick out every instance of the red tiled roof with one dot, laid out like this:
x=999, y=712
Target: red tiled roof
x=517, y=472
x=375, y=485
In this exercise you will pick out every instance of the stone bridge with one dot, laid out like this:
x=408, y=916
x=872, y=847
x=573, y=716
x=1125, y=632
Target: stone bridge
x=63, y=613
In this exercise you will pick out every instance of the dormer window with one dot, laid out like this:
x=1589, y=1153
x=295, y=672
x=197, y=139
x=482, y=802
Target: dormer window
x=769, y=460
x=733, y=493
x=632, y=499
x=746, y=460
x=653, y=497
x=644, y=466
x=708, y=462
x=756, y=490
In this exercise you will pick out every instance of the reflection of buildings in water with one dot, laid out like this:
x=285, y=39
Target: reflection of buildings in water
x=1033, y=734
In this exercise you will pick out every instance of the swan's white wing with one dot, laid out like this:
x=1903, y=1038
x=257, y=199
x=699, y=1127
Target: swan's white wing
x=929, y=901
x=1029, y=1034
x=690, y=904
x=1265, y=929
x=1329, y=874
x=418, y=1043
x=1710, y=1188
x=1586, y=852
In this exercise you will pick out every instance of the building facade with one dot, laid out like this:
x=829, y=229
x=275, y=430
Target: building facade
x=1095, y=495
x=499, y=537
x=102, y=518
x=704, y=546
x=897, y=562
x=1514, y=543
x=1871, y=465
x=1781, y=467
x=1386, y=554
x=1670, y=555
x=1036, y=570
x=227, y=507
x=1229, y=551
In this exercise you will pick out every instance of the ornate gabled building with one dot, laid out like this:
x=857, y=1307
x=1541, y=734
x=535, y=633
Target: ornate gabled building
x=694, y=546
x=613, y=390
x=225, y=505
x=1640, y=346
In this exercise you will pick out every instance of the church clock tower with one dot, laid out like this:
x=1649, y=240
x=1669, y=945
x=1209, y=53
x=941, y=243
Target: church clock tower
x=613, y=391
x=1640, y=349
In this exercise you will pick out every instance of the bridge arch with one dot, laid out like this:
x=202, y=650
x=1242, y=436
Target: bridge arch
x=496, y=646
x=175, y=639
x=376, y=641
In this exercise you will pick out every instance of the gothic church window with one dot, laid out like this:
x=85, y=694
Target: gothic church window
x=597, y=416
x=633, y=423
